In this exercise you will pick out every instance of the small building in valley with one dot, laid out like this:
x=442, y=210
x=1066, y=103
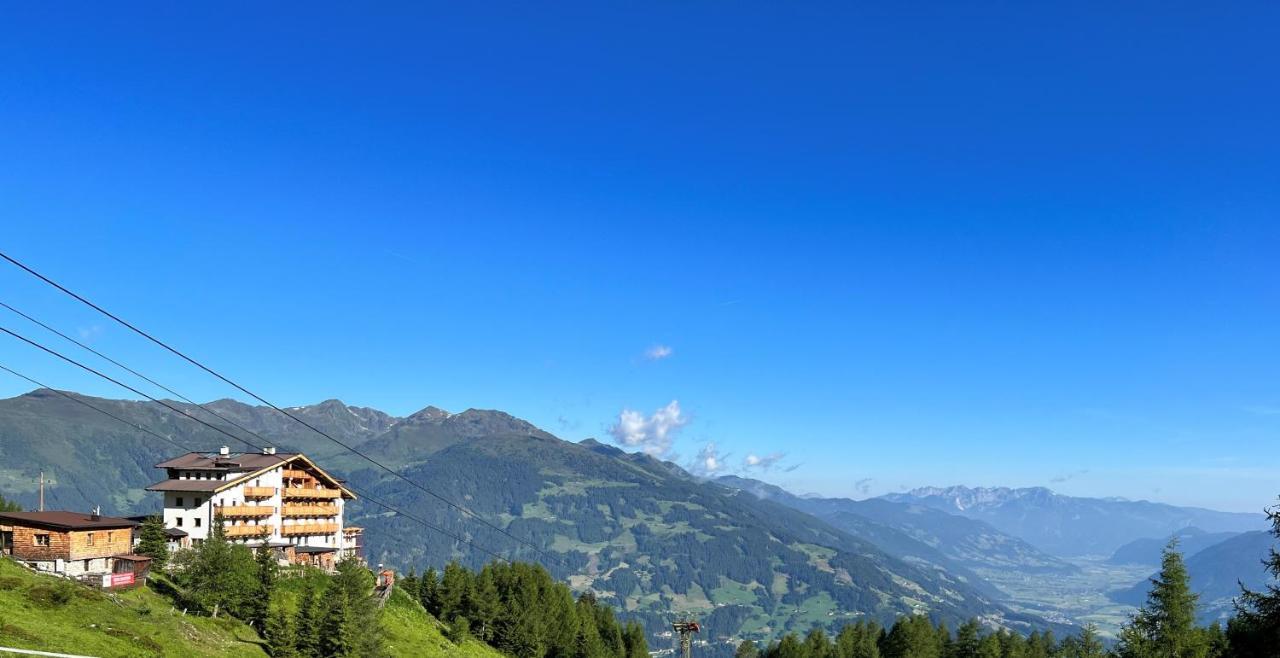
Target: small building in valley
x=282, y=500
x=69, y=543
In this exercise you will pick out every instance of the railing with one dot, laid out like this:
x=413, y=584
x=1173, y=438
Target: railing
x=352, y=530
x=241, y=511
x=296, y=473
x=311, y=493
x=247, y=530
x=310, y=510
x=309, y=529
x=259, y=492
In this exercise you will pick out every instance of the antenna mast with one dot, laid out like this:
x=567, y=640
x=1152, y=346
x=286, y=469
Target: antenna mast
x=686, y=629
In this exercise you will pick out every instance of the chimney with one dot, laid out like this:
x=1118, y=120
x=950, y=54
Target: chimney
x=96, y=515
x=269, y=450
x=224, y=451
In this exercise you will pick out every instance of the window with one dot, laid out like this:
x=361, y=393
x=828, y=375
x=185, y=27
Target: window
x=199, y=502
x=42, y=539
x=110, y=536
x=197, y=523
x=179, y=521
x=88, y=539
x=179, y=501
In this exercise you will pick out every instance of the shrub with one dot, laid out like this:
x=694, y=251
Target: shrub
x=459, y=630
x=53, y=595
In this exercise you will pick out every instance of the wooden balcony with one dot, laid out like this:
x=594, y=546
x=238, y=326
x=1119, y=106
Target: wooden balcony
x=292, y=492
x=259, y=492
x=310, y=510
x=248, y=530
x=352, y=530
x=308, y=529
x=244, y=511
x=297, y=474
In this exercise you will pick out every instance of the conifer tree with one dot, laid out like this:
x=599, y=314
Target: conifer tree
x=1255, y=630
x=9, y=505
x=152, y=541
x=266, y=571
x=633, y=639
x=966, y=642
x=429, y=592
x=220, y=576
x=281, y=633
x=453, y=590
x=1165, y=626
x=1085, y=645
x=309, y=617
x=747, y=649
x=409, y=584
x=816, y=644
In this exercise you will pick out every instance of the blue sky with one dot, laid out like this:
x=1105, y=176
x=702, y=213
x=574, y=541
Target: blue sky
x=898, y=244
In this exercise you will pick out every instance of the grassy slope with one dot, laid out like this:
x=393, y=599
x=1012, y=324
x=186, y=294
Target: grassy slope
x=407, y=628
x=141, y=623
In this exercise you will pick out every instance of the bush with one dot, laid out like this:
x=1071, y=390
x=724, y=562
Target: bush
x=53, y=595
x=459, y=630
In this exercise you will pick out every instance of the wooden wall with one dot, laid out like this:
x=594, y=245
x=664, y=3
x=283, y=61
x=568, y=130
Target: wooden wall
x=73, y=545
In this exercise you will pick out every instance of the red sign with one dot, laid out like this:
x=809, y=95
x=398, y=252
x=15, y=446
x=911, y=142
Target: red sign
x=119, y=579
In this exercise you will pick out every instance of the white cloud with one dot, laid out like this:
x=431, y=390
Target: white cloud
x=709, y=461
x=658, y=352
x=762, y=463
x=652, y=435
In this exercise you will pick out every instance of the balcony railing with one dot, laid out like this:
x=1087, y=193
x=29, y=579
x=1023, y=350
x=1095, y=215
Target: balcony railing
x=310, y=510
x=242, y=511
x=308, y=529
x=248, y=530
x=259, y=492
x=296, y=473
x=311, y=493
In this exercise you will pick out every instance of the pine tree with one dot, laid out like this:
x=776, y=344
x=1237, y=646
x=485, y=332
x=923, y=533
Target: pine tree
x=280, y=633
x=429, y=592
x=747, y=649
x=816, y=644
x=1255, y=631
x=453, y=590
x=409, y=584
x=966, y=642
x=267, y=571
x=220, y=576
x=1165, y=626
x=152, y=541
x=309, y=617
x=633, y=638
x=1085, y=645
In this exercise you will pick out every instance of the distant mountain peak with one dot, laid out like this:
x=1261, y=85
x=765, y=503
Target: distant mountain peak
x=430, y=412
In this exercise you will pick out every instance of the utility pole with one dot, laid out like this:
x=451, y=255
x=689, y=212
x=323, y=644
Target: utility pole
x=686, y=629
x=41, y=491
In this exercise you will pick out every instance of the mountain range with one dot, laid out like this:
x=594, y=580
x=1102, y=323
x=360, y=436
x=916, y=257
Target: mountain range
x=749, y=558
x=1068, y=526
x=644, y=534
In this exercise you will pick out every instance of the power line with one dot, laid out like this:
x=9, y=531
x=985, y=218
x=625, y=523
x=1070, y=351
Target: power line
x=138, y=374
x=362, y=494
x=259, y=398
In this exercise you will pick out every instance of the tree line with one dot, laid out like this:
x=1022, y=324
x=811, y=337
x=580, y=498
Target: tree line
x=521, y=610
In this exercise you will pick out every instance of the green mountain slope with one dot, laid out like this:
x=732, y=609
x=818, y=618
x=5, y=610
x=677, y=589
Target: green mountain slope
x=648, y=537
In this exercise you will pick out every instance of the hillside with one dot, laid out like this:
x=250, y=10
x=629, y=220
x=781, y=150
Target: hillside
x=1068, y=526
x=50, y=614
x=648, y=537
x=909, y=529
x=1217, y=572
x=1147, y=550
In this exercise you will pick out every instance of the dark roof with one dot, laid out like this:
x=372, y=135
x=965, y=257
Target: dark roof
x=175, y=532
x=314, y=549
x=64, y=520
x=236, y=461
x=189, y=485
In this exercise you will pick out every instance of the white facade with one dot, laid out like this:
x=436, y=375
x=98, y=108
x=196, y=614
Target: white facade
x=287, y=502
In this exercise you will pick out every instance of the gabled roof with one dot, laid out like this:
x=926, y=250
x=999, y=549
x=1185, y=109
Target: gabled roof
x=244, y=465
x=65, y=520
x=235, y=462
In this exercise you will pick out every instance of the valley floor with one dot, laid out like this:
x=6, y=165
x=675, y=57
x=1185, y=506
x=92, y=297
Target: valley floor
x=1077, y=598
